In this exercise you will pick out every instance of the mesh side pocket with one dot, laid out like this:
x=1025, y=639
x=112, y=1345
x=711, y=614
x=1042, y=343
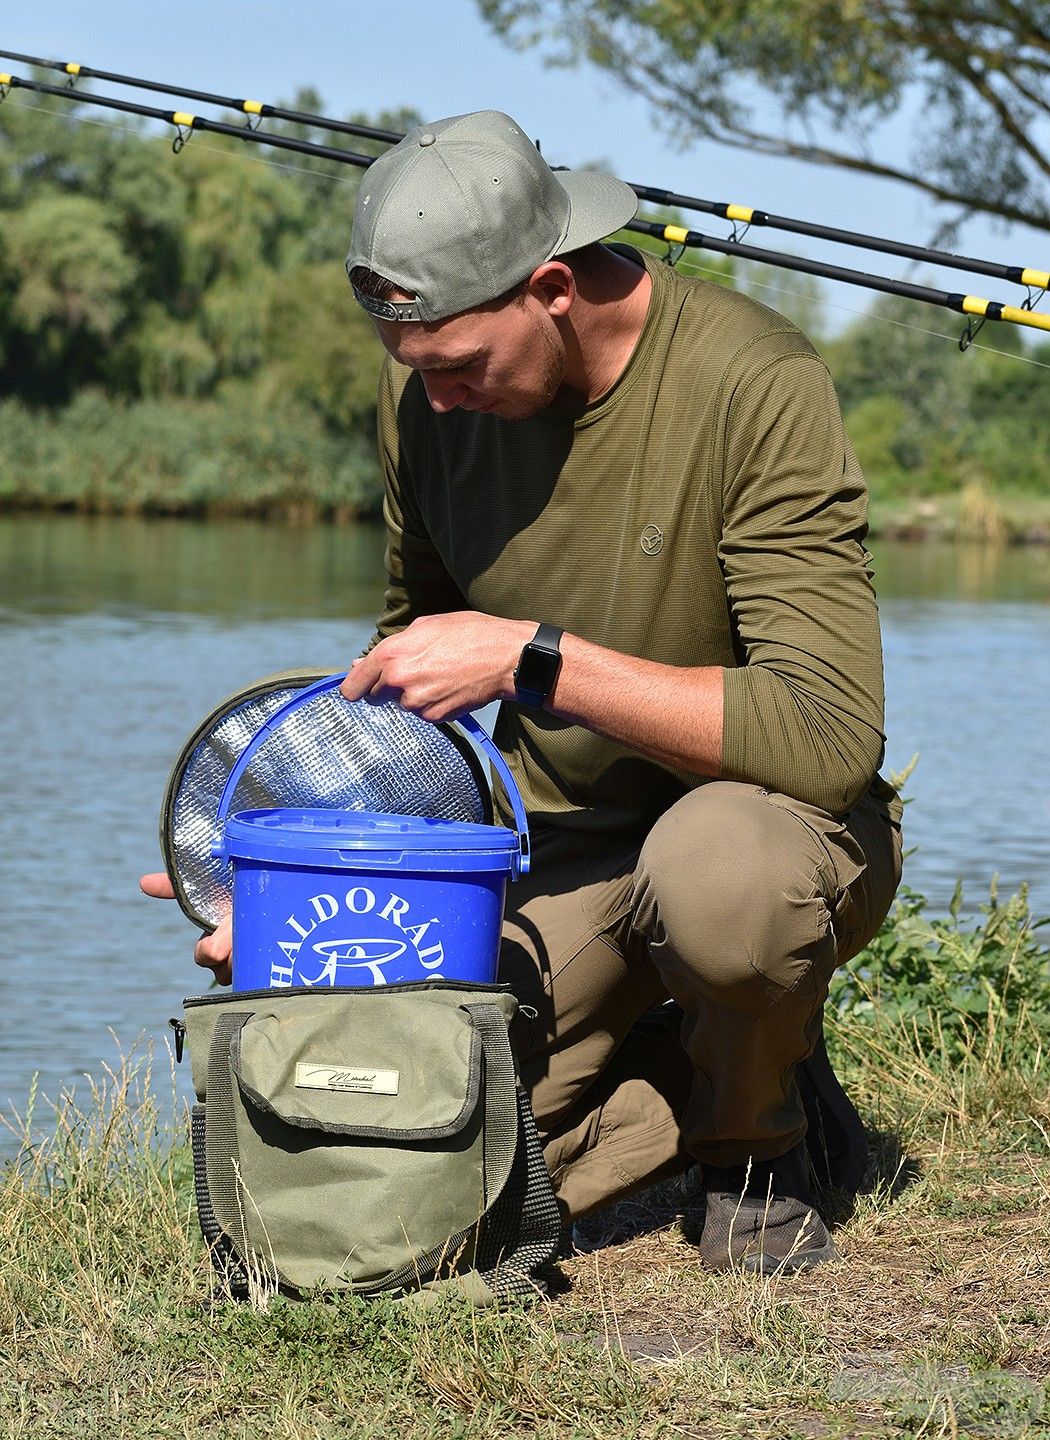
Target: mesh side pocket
x=227, y=1263
x=519, y=1234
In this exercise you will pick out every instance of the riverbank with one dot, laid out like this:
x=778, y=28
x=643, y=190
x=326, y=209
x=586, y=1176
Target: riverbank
x=241, y=458
x=973, y=513
x=935, y=1322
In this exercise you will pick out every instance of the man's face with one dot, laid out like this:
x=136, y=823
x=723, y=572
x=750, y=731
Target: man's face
x=506, y=359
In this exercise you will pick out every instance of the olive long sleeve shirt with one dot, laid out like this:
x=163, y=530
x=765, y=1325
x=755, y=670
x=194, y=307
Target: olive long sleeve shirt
x=706, y=511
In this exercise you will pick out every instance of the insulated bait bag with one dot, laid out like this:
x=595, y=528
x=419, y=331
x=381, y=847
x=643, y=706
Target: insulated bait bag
x=367, y=1140
x=328, y=755
x=346, y=1138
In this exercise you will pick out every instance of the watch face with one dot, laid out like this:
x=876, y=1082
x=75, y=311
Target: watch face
x=537, y=670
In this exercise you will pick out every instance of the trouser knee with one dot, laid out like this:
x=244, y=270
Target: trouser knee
x=733, y=893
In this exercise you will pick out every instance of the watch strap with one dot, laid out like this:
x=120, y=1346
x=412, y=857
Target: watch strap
x=544, y=646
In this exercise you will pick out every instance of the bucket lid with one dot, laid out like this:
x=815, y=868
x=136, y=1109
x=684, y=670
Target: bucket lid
x=521, y=849
x=278, y=833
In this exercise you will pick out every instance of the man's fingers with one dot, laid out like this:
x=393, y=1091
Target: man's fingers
x=221, y=969
x=213, y=952
x=362, y=675
x=158, y=885
x=216, y=947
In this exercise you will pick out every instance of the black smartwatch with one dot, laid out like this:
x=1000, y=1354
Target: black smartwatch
x=538, y=667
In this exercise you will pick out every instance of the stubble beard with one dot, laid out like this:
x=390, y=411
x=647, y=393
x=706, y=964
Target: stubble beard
x=549, y=381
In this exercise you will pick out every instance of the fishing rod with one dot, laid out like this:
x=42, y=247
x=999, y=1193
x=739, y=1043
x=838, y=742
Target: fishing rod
x=247, y=107
x=747, y=216
x=737, y=214
x=974, y=305
x=672, y=235
x=186, y=123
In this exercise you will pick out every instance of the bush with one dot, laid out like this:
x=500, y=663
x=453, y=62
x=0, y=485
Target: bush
x=948, y=979
x=230, y=456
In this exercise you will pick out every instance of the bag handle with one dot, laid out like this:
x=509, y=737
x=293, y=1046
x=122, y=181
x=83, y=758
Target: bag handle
x=520, y=862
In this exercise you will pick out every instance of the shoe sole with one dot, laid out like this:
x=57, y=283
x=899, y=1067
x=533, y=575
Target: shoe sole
x=791, y=1264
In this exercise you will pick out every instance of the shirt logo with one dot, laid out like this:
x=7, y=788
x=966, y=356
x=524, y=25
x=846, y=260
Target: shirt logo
x=652, y=540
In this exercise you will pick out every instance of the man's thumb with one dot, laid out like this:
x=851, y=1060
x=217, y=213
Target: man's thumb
x=158, y=885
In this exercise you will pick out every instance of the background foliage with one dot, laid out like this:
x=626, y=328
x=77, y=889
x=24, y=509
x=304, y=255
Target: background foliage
x=177, y=336
x=973, y=74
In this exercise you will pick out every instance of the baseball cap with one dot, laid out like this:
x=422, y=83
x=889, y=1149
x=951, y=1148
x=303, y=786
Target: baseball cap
x=462, y=210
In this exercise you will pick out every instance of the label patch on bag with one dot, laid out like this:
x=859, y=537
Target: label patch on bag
x=357, y=1079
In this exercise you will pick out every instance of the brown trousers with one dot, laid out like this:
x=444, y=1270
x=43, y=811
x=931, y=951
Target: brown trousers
x=739, y=905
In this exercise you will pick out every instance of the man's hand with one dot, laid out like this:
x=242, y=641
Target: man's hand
x=214, y=951
x=442, y=666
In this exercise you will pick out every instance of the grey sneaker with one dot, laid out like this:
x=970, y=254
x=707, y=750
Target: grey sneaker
x=764, y=1218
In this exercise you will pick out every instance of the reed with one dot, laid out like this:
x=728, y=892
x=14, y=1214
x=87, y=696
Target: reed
x=184, y=457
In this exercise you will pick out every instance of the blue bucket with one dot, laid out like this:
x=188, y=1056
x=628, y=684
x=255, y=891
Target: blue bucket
x=353, y=897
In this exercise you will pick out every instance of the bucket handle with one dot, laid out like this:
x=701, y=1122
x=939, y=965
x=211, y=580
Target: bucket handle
x=476, y=732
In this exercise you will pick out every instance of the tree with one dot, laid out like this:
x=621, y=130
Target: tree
x=977, y=72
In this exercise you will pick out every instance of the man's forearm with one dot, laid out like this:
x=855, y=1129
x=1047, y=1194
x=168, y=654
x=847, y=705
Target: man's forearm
x=671, y=713
x=441, y=666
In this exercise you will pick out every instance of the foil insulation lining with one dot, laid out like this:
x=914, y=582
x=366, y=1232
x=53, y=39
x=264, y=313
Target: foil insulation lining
x=330, y=754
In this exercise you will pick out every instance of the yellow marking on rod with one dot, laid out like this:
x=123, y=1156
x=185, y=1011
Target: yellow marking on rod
x=1039, y=278
x=739, y=212
x=5, y=79
x=181, y=118
x=676, y=234
x=72, y=69
x=974, y=305
x=253, y=107
x=1017, y=316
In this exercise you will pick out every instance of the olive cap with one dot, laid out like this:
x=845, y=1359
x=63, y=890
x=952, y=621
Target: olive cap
x=464, y=209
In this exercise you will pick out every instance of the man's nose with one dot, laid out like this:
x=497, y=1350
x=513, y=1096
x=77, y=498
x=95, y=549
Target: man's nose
x=443, y=392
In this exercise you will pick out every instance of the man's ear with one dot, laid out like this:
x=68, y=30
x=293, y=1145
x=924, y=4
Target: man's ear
x=554, y=286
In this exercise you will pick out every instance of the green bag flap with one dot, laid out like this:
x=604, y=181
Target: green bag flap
x=399, y=1068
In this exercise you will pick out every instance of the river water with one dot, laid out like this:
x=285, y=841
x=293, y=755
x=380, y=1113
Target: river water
x=118, y=636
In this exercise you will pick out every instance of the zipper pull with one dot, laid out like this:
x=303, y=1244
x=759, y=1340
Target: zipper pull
x=179, y=1026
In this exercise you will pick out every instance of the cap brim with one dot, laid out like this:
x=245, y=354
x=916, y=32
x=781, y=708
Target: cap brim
x=601, y=204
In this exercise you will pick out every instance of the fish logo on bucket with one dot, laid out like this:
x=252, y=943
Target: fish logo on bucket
x=357, y=959
x=357, y=954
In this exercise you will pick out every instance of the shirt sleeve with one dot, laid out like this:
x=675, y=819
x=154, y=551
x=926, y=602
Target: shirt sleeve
x=417, y=581
x=804, y=707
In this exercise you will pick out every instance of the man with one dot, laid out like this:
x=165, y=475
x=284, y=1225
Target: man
x=621, y=502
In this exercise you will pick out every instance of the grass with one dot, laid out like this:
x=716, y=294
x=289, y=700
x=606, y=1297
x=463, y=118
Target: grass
x=194, y=458
x=936, y=1323
x=974, y=512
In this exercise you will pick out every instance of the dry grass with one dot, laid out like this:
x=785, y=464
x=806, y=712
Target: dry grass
x=936, y=1322
x=916, y=1278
